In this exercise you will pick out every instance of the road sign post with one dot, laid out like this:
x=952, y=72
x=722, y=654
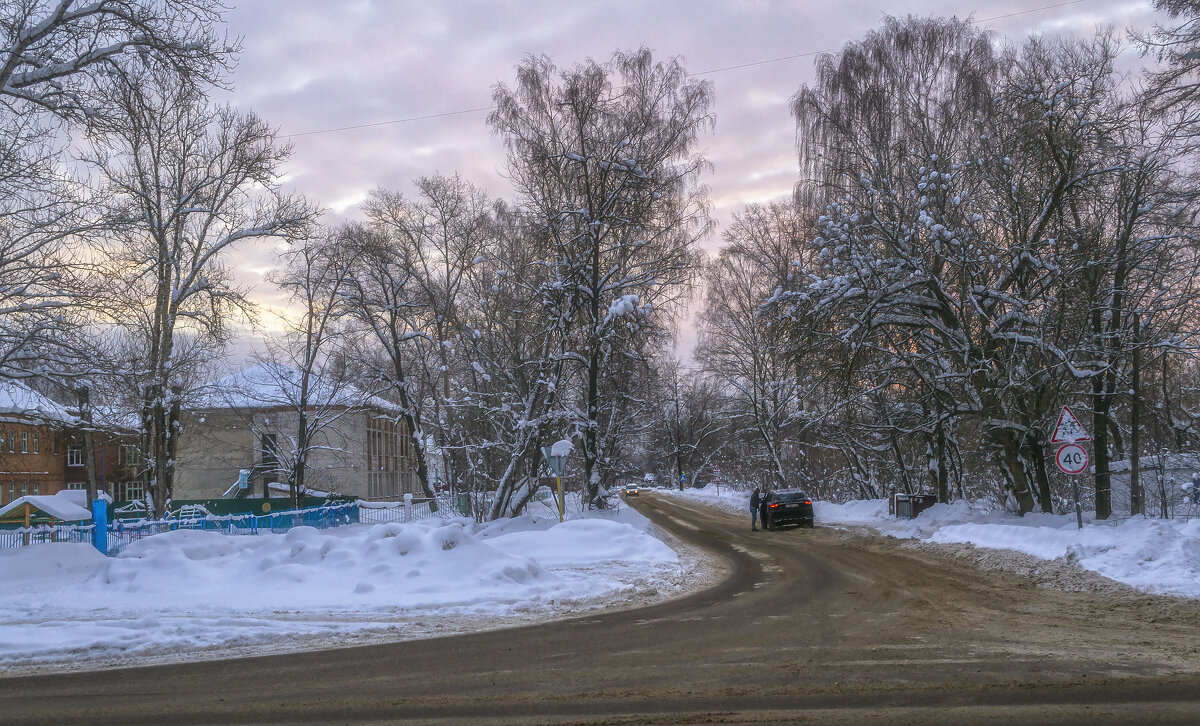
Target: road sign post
x=556, y=459
x=1070, y=457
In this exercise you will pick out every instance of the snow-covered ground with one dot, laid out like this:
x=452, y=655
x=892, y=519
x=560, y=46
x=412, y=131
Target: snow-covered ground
x=201, y=594
x=1153, y=555
x=185, y=595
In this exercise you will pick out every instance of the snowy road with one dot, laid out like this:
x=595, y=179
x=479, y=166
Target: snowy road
x=825, y=626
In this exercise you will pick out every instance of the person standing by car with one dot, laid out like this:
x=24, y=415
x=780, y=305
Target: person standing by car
x=762, y=508
x=755, y=500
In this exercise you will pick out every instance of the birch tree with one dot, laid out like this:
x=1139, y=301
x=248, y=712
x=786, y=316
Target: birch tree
x=765, y=371
x=603, y=158
x=883, y=136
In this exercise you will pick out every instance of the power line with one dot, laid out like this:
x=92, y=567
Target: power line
x=698, y=73
x=394, y=121
x=769, y=60
x=1034, y=10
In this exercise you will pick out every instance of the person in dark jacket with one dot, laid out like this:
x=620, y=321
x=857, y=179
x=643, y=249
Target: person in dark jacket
x=755, y=501
x=762, y=508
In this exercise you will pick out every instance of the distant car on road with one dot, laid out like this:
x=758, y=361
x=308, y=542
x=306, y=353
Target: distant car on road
x=631, y=490
x=788, y=506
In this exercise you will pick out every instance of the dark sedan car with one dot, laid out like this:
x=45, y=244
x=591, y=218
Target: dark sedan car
x=788, y=506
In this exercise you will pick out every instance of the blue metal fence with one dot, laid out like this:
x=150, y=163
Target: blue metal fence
x=121, y=533
x=40, y=534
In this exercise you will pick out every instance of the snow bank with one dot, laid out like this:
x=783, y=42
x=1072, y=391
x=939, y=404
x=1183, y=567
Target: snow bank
x=183, y=591
x=1154, y=555
x=608, y=541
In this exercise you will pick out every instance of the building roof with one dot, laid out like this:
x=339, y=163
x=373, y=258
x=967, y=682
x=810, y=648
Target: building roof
x=64, y=506
x=18, y=400
x=271, y=385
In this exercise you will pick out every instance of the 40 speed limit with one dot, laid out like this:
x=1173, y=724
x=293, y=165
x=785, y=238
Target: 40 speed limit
x=1071, y=458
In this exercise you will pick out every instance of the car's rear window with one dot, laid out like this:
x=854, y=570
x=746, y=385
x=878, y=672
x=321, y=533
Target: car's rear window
x=792, y=496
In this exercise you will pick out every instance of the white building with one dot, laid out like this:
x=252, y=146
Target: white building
x=249, y=421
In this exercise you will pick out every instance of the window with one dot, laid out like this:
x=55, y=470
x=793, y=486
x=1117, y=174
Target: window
x=133, y=490
x=129, y=455
x=24, y=442
x=383, y=445
x=12, y=441
x=36, y=439
x=76, y=485
x=35, y=489
x=74, y=456
x=56, y=446
x=269, y=451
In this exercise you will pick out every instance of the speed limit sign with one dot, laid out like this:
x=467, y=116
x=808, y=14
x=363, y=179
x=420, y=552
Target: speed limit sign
x=1071, y=458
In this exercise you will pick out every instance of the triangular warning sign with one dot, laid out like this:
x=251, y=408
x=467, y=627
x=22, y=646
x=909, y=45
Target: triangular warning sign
x=1068, y=430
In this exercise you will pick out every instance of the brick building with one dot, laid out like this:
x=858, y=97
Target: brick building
x=42, y=451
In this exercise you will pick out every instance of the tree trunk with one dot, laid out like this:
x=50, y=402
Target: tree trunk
x=1041, y=475
x=301, y=460
x=590, y=452
x=89, y=443
x=1015, y=471
x=943, y=475
x=174, y=429
x=410, y=420
x=1100, y=445
x=1135, y=437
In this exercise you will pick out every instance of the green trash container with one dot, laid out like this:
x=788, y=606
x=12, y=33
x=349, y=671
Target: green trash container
x=464, y=504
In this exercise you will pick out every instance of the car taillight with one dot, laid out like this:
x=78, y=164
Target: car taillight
x=772, y=506
x=808, y=501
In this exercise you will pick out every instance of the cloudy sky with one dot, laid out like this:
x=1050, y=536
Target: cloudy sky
x=418, y=76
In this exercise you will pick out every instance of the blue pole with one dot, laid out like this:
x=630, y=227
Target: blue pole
x=100, y=520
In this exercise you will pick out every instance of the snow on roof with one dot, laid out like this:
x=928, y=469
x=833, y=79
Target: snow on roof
x=17, y=399
x=63, y=505
x=271, y=385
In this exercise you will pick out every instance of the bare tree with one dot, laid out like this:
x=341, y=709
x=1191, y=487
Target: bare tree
x=690, y=425
x=986, y=254
x=316, y=280
x=603, y=159
x=58, y=55
x=43, y=214
x=61, y=59
x=189, y=183
x=764, y=370
x=425, y=252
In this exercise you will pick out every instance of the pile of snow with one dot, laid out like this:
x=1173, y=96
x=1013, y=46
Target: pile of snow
x=185, y=591
x=1158, y=556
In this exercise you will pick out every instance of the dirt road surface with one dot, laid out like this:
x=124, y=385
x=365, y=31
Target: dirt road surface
x=810, y=626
